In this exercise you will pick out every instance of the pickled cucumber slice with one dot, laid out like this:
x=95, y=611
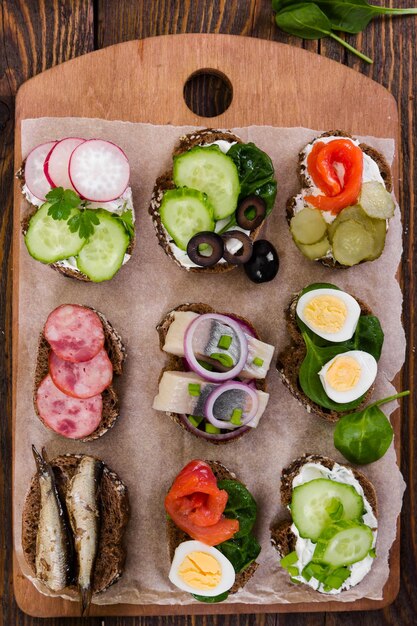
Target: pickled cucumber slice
x=354, y=212
x=376, y=201
x=211, y=171
x=49, y=240
x=104, y=252
x=343, y=543
x=184, y=213
x=378, y=229
x=321, y=502
x=315, y=251
x=308, y=226
x=352, y=243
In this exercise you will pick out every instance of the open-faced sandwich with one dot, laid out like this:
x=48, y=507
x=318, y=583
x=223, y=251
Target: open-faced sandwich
x=210, y=517
x=81, y=220
x=331, y=365
x=330, y=542
x=78, y=353
x=214, y=382
x=209, y=208
x=74, y=518
x=341, y=215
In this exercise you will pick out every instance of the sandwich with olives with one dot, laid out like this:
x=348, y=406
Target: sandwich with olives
x=329, y=543
x=210, y=520
x=332, y=361
x=209, y=208
x=80, y=219
x=213, y=384
x=341, y=215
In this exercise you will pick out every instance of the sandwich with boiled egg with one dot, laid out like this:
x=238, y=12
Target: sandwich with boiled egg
x=210, y=517
x=332, y=362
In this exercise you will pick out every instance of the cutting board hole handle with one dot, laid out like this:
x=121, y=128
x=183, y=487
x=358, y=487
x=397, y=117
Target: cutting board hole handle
x=208, y=92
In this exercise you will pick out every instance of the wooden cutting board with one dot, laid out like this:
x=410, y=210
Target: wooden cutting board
x=143, y=81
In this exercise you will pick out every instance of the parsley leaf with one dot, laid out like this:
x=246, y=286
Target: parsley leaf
x=62, y=202
x=127, y=219
x=83, y=221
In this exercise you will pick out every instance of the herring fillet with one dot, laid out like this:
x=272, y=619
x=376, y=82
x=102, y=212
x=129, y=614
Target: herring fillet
x=84, y=513
x=53, y=547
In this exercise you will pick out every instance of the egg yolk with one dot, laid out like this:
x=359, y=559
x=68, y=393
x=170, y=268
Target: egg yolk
x=326, y=313
x=200, y=570
x=343, y=374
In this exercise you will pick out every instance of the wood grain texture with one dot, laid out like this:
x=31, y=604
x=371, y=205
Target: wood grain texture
x=28, y=46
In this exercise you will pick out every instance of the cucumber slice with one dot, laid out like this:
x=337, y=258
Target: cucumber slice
x=376, y=201
x=184, y=213
x=352, y=243
x=212, y=172
x=308, y=226
x=49, y=240
x=354, y=212
x=315, y=250
x=321, y=502
x=104, y=252
x=343, y=543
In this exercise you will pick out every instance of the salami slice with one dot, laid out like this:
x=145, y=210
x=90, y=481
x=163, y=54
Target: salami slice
x=81, y=380
x=75, y=333
x=70, y=417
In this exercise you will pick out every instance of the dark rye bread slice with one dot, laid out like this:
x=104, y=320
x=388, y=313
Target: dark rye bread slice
x=175, y=535
x=282, y=538
x=290, y=359
x=114, y=507
x=165, y=182
x=117, y=354
x=177, y=364
x=379, y=159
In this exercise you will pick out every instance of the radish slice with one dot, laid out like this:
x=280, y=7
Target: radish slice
x=35, y=178
x=225, y=399
x=239, y=338
x=99, y=170
x=57, y=162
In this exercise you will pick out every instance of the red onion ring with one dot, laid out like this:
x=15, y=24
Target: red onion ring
x=213, y=437
x=215, y=377
x=216, y=393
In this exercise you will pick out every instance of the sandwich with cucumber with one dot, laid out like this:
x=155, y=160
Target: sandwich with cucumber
x=330, y=542
x=81, y=216
x=213, y=384
x=341, y=215
x=332, y=361
x=210, y=520
x=210, y=206
x=79, y=352
x=73, y=523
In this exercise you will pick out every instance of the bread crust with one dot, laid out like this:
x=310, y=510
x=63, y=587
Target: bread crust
x=175, y=363
x=117, y=355
x=175, y=536
x=380, y=160
x=282, y=538
x=115, y=513
x=290, y=359
x=164, y=183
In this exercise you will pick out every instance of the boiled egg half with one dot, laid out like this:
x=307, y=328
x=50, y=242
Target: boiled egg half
x=348, y=375
x=200, y=569
x=330, y=313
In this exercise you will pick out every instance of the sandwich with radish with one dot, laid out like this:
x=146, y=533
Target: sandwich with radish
x=213, y=384
x=81, y=220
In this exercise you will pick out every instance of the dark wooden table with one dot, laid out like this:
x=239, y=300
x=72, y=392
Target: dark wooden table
x=37, y=34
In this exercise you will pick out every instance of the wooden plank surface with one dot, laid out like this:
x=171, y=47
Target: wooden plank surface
x=37, y=35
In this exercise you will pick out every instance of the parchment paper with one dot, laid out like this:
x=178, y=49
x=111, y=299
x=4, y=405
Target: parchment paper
x=146, y=448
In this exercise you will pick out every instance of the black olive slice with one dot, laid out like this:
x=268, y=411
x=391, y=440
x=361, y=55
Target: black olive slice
x=251, y=212
x=205, y=248
x=264, y=264
x=245, y=251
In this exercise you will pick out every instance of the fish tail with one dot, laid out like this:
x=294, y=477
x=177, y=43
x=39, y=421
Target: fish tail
x=39, y=460
x=86, y=594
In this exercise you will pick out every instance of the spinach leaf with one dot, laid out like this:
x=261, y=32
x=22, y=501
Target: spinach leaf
x=240, y=552
x=240, y=505
x=211, y=599
x=365, y=436
x=353, y=16
x=256, y=173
